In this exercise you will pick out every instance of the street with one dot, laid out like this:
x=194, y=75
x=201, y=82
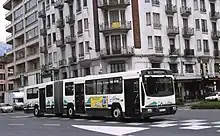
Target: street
x=184, y=123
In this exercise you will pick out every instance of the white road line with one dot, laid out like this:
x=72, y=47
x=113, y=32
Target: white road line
x=94, y=121
x=193, y=120
x=217, y=126
x=218, y=131
x=216, y=123
x=112, y=122
x=65, y=119
x=79, y=119
x=54, y=118
x=53, y=125
x=134, y=124
x=16, y=124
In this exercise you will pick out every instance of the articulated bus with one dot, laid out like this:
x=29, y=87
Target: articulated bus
x=133, y=94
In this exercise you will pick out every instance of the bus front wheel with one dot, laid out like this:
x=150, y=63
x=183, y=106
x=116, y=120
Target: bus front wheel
x=70, y=112
x=116, y=113
x=36, y=112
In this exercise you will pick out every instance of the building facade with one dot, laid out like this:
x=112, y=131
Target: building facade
x=24, y=59
x=3, y=80
x=82, y=37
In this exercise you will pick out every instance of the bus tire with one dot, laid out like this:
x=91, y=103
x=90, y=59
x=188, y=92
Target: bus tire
x=36, y=111
x=116, y=113
x=70, y=111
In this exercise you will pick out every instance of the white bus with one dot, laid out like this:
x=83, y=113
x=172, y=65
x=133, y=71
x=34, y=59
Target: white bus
x=141, y=93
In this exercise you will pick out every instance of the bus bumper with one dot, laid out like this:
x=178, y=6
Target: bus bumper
x=158, y=111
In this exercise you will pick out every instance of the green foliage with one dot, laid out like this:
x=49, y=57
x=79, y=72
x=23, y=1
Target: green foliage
x=207, y=105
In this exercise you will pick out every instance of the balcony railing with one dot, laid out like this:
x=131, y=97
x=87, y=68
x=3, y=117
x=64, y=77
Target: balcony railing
x=60, y=23
x=174, y=52
x=187, y=32
x=60, y=43
x=172, y=30
x=42, y=13
x=70, y=39
x=62, y=63
x=157, y=26
x=126, y=51
x=115, y=26
x=185, y=11
x=155, y=3
x=203, y=10
x=188, y=52
x=215, y=35
x=72, y=60
x=214, y=15
x=105, y=4
x=70, y=19
x=170, y=9
x=43, y=32
x=59, y=4
x=159, y=49
x=206, y=51
x=68, y=1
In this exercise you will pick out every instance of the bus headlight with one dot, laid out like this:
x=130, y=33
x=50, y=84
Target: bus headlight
x=149, y=110
x=174, y=108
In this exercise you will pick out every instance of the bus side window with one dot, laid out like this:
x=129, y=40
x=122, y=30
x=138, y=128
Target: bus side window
x=69, y=87
x=117, y=85
x=90, y=87
x=49, y=90
x=29, y=93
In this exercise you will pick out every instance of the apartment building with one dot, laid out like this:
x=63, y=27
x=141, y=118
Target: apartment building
x=82, y=37
x=24, y=59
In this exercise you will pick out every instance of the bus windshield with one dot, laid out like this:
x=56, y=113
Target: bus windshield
x=158, y=86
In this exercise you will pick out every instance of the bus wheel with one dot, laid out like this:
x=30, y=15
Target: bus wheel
x=70, y=112
x=116, y=113
x=36, y=112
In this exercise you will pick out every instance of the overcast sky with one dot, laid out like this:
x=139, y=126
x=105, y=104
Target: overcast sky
x=3, y=22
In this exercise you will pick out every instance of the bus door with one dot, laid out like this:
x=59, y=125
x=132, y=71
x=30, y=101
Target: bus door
x=42, y=99
x=132, y=97
x=79, y=99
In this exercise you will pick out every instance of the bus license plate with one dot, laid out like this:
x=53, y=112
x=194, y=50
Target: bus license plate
x=162, y=110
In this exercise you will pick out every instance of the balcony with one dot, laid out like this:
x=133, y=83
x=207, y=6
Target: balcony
x=45, y=67
x=155, y=3
x=187, y=32
x=185, y=11
x=157, y=26
x=215, y=35
x=43, y=32
x=117, y=27
x=159, y=49
x=8, y=5
x=70, y=39
x=68, y=1
x=9, y=28
x=62, y=63
x=216, y=53
x=112, y=4
x=70, y=19
x=174, y=52
x=60, y=43
x=170, y=9
x=43, y=49
x=59, y=4
x=41, y=13
x=121, y=52
x=8, y=16
x=72, y=60
x=60, y=23
x=214, y=15
x=206, y=52
x=189, y=52
x=203, y=10
x=172, y=30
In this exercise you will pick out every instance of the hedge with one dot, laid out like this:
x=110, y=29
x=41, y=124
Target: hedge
x=207, y=105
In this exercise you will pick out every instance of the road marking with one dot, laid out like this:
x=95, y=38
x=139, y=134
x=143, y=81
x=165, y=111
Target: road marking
x=16, y=124
x=218, y=131
x=193, y=124
x=196, y=127
x=111, y=130
x=94, y=121
x=194, y=120
x=54, y=118
x=65, y=118
x=79, y=119
x=18, y=117
x=134, y=124
x=216, y=123
x=53, y=125
x=163, y=124
x=217, y=126
x=112, y=122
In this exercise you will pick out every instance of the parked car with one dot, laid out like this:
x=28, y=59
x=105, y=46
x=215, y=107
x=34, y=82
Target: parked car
x=6, y=107
x=213, y=96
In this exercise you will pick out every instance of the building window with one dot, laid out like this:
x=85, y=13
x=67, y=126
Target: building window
x=86, y=23
x=2, y=87
x=158, y=42
x=81, y=50
x=156, y=19
x=85, y=3
x=48, y=21
x=2, y=66
x=187, y=44
x=199, y=46
x=54, y=37
x=87, y=71
x=80, y=27
x=150, y=42
x=2, y=76
x=216, y=67
x=53, y=19
x=87, y=46
x=148, y=18
x=205, y=46
x=10, y=87
x=49, y=39
x=197, y=24
x=18, y=13
x=174, y=68
x=55, y=56
x=189, y=68
x=30, y=5
x=75, y=73
x=19, y=26
x=78, y=6
x=204, y=26
x=155, y=65
x=117, y=67
x=31, y=19
x=196, y=5
x=50, y=58
x=32, y=33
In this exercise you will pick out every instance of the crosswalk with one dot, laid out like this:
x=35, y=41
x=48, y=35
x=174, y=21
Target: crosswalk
x=189, y=124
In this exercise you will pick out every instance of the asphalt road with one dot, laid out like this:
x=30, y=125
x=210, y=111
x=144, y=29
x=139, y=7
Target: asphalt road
x=184, y=123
